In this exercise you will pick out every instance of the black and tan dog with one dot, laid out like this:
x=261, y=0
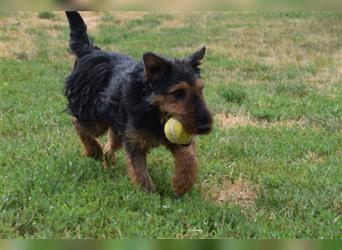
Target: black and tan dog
x=132, y=100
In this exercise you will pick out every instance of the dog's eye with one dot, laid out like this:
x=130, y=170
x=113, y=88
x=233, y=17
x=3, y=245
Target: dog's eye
x=178, y=94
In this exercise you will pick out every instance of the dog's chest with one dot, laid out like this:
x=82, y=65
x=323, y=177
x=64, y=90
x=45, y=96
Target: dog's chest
x=144, y=140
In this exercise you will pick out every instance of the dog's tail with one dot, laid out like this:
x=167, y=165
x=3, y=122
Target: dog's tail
x=79, y=42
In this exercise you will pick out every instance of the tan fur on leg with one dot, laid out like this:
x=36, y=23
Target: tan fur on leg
x=109, y=149
x=137, y=170
x=91, y=145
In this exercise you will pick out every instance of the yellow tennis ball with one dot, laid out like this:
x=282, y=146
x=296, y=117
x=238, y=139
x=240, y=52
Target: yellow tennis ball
x=175, y=133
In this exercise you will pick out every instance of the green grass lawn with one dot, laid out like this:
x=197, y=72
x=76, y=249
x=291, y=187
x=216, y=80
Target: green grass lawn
x=271, y=168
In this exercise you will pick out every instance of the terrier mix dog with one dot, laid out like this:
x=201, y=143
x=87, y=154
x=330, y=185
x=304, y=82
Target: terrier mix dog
x=132, y=100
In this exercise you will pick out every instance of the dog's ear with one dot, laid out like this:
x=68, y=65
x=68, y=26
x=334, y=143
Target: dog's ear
x=195, y=59
x=155, y=66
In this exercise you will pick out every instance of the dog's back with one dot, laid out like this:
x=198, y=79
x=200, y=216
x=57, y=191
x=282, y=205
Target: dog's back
x=95, y=84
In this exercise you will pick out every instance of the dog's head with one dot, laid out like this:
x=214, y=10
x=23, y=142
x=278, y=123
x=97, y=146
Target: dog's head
x=177, y=89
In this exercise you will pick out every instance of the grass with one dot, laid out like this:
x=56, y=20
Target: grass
x=46, y=15
x=271, y=168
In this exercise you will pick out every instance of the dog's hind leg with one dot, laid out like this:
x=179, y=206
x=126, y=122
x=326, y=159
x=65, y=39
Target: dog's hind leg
x=109, y=149
x=87, y=136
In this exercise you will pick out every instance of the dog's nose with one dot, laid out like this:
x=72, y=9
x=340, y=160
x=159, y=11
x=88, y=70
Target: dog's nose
x=204, y=129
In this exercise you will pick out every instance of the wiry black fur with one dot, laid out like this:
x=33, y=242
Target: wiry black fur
x=79, y=40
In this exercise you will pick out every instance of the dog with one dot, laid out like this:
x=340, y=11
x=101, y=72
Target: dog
x=132, y=100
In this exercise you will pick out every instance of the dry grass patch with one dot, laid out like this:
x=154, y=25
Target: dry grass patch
x=15, y=42
x=227, y=121
x=223, y=74
x=125, y=16
x=239, y=192
x=23, y=48
x=232, y=121
x=284, y=123
x=281, y=43
x=328, y=76
x=177, y=22
x=18, y=41
x=314, y=158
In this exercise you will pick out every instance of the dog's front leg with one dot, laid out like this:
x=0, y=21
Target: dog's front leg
x=186, y=168
x=137, y=168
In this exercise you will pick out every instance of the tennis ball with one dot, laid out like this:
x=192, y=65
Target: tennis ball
x=175, y=133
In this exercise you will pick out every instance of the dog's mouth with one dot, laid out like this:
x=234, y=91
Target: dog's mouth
x=197, y=130
x=165, y=117
x=202, y=129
